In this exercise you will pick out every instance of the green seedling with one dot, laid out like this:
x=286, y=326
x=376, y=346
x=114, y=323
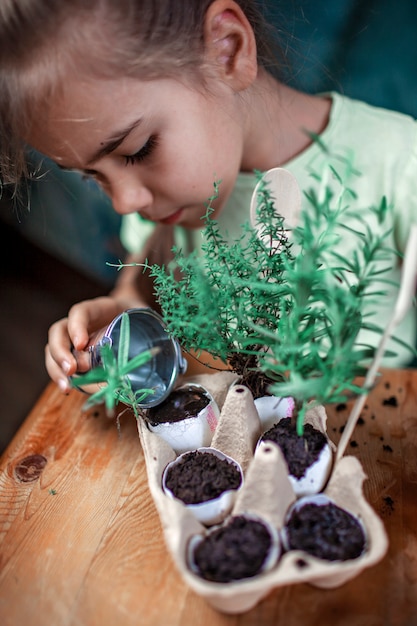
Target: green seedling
x=113, y=374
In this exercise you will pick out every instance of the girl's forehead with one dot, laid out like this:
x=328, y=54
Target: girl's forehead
x=90, y=112
x=84, y=98
x=82, y=111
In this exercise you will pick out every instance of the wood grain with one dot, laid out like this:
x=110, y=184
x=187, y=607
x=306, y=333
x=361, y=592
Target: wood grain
x=81, y=543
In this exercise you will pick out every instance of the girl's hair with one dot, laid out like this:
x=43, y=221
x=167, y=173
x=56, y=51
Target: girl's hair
x=43, y=41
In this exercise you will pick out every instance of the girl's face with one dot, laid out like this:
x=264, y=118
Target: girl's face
x=156, y=147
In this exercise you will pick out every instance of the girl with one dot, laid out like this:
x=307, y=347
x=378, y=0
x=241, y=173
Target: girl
x=157, y=99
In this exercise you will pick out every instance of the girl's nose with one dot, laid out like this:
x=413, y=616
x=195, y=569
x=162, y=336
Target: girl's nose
x=131, y=197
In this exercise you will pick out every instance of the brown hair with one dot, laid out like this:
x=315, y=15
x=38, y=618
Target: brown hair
x=42, y=40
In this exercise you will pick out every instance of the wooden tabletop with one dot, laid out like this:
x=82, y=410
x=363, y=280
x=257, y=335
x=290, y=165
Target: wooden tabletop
x=81, y=543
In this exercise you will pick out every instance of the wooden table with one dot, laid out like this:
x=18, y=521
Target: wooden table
x=81, y=543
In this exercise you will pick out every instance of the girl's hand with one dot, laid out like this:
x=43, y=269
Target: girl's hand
x=70, y=336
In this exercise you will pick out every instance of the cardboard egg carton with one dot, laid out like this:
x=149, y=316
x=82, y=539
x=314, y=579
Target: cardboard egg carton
x=266, y=492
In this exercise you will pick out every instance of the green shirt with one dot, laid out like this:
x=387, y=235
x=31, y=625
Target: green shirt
x=383, y=147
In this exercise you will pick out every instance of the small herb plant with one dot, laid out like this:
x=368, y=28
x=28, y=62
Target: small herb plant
x=213, y=307
x=314, y=353
x=287, y=305
x=113, y=372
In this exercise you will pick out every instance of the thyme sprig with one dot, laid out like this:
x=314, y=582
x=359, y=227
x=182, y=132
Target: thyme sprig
x=214, y=307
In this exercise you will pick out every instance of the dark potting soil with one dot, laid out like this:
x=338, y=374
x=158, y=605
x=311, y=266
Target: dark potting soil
x=201, y=476
x=180, y=404
x=233, y=551
x=300, y=451
x=326, y=531
x=247, y=368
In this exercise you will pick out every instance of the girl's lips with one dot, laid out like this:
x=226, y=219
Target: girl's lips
x=172, y=219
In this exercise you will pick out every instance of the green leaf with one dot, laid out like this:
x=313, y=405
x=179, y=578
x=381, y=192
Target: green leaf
x=124, y=341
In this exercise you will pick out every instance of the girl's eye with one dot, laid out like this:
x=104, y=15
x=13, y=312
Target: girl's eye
x=143, y=153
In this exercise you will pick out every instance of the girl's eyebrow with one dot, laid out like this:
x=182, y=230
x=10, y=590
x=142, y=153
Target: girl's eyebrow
x=113, y=142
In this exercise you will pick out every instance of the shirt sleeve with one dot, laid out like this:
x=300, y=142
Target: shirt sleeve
x=134, y=232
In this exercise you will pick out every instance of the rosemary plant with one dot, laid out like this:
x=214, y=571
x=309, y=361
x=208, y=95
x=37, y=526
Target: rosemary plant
x=314, y=352
x=113, y=373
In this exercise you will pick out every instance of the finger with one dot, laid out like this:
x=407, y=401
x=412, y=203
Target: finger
x=83, y=358
x=59, y=347
x=87, y=317
x=55, y=372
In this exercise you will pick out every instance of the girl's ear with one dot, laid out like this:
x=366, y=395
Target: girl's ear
x=230, y=44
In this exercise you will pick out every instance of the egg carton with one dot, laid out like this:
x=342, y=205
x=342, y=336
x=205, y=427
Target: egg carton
x=267, y=493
